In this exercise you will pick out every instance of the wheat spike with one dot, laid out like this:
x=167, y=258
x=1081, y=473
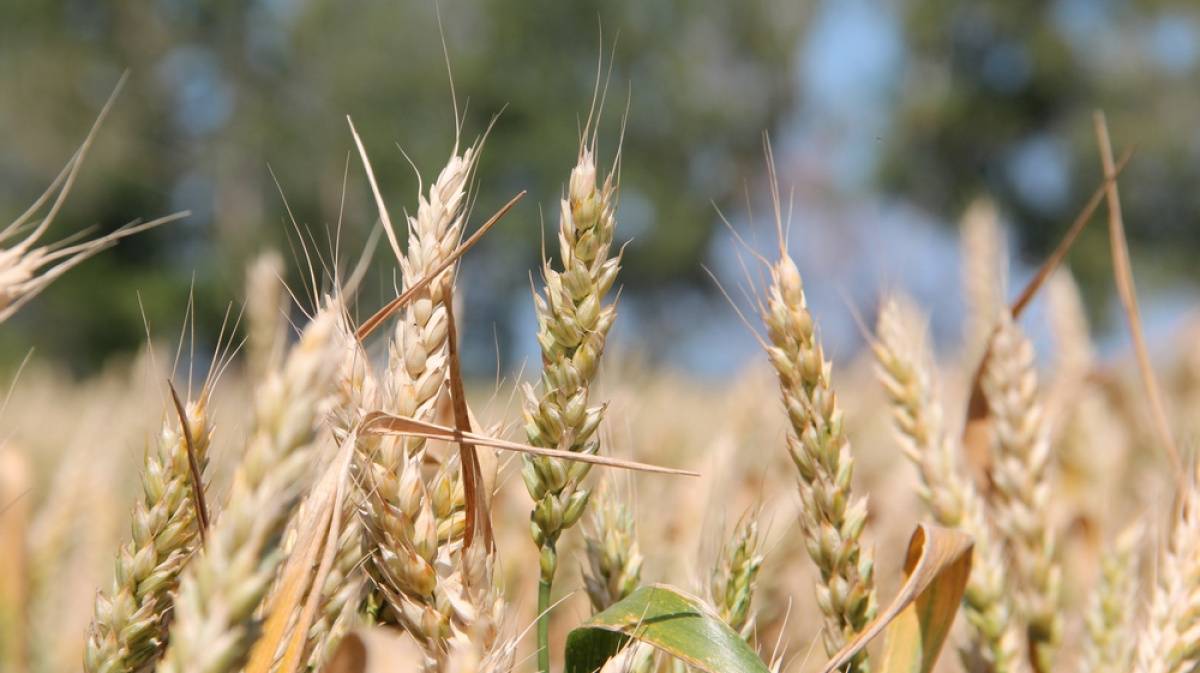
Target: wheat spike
x=214, y=625
x=614, y=562
x=831, y=517
x=905, y=368
x=131, y=621
x=1110, y=618
x=1022, y=490
x=1170, y=642
x=573, y=326
x=731, y=582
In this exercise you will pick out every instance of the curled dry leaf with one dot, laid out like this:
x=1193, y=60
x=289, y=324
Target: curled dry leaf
x=917, y=620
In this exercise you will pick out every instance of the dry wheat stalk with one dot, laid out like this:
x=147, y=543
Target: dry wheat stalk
x=213, y=627
x=130, y=624
x=1170, y=641
x=831, y=517
x=905, y=368
x=1021, y=497
x=1111, y=618
x=614, y=562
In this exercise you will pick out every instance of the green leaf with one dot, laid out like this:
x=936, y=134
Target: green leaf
x=669, y=620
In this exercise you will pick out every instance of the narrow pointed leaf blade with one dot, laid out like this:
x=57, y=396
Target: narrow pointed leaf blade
x=669, y=620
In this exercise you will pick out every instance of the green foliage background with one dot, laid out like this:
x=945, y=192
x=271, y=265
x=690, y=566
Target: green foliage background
x=233, y=107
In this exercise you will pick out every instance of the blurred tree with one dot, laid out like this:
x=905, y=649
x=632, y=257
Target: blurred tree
x=998, y=96
x=228, y=98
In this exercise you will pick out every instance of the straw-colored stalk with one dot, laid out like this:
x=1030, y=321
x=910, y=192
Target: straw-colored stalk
x=573, y=324
x=906, y=369
x=130, y=624
x=1170, y=642
x=831, y=517
x=1021, y=497
x=214, y=625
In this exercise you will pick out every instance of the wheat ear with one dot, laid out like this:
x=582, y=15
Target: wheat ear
x=266, y=314
x=1111, y=619
x=734, y=574
x=214, y=627
x=413, y=525
x=1022, y=490
x=1170, y=642
x=573, y=324
x=130, y=624
x=831, y=517
x=614, y=561
x=401, y=513
x=983, y=277
x=905, y=368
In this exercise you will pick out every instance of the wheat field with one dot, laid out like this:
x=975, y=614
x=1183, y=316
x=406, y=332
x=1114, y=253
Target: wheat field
x=330, y=496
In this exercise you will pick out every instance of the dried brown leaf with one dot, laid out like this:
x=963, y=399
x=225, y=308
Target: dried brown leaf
x=479, y=519
x=936, y=571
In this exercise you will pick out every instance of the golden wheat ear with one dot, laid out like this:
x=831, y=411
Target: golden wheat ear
x=219, y=592
x=129, y=629
x=832, y=517
x=905, y=367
